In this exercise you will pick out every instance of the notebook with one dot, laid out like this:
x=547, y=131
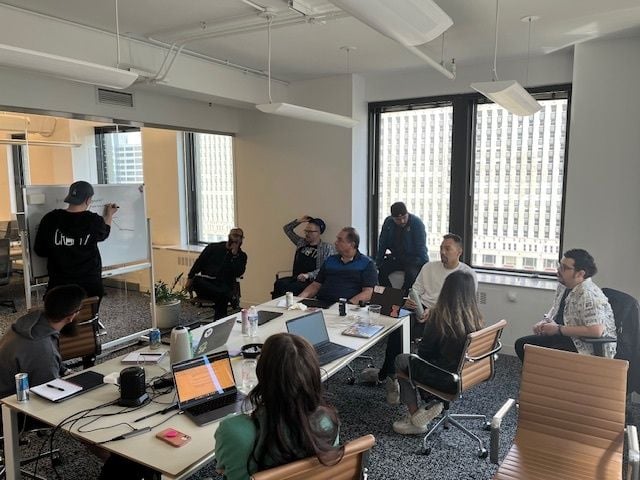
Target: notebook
x=316, y=303
x=312, y=327
x=206, y=387
x=265, y=316
x=362, y=330
x=390, y=299
x=60, y=389
x=144, y=356
x=211, y=336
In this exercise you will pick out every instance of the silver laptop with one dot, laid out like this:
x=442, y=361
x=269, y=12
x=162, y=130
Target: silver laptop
x=212, y=336
x=206, y=387
x=314, y=329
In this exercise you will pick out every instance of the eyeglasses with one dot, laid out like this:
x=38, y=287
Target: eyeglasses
x=563, y=267
x=311, y=231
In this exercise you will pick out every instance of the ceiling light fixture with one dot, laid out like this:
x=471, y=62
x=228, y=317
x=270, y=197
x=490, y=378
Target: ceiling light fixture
x=297, y=111
x=509, y=94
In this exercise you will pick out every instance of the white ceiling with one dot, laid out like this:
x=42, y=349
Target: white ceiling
x=310, y=50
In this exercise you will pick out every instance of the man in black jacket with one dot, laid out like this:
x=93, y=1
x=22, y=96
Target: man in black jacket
x=214, y=272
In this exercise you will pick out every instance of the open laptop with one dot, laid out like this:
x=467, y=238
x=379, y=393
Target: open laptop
x=312, y=327
x=206, y=387
x=317, y=303
x=390, y=299
x=212, y=336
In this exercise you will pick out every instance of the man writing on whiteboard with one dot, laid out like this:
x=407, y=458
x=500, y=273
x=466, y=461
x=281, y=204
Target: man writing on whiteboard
x=69, y=241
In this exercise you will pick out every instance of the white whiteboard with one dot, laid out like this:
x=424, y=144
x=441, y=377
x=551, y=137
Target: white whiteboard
x=128, y=241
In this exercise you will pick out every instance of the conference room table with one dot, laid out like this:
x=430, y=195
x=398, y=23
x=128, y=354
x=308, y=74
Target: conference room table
x=173, y=463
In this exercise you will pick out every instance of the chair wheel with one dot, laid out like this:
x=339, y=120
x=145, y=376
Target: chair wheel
x=56, y=460
x=487, y=426
x=351, y=381
x=482, y=453
x=426, y=451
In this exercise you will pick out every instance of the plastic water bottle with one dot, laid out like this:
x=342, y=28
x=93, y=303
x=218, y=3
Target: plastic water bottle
x=413, y=295
x=253, y=322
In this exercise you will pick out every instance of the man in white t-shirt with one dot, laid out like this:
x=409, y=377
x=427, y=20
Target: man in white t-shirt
x=427, y=285
x=431, y=277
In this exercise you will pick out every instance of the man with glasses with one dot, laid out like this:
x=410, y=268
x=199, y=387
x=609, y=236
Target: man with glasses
x=402, y=246
x=31, y=344
x=311, y=252
x=214, y=273
x=580, y=309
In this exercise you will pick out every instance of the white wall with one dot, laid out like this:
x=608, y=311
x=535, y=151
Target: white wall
x=602, y=211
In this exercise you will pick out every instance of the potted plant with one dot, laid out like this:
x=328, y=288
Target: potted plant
x=168, y=300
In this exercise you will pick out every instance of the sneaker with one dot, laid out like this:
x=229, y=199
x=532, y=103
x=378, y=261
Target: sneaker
x=370, y=375
x=424, y=415
x=393, y=391
x=404, y=426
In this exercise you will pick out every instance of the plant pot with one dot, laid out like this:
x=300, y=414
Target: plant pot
x=168, y=314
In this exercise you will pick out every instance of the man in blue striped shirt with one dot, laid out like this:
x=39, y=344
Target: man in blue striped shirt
x=348, y=274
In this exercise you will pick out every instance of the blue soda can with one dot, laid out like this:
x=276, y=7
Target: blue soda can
x=22, y=387
x=154, y=338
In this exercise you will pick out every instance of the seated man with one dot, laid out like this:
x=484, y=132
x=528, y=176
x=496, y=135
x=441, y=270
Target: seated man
x=404, y=235
x=580, y=309
x=31, y=344
x=348, y=274
x=427, y=285
x=213, y=274
x=310, y=254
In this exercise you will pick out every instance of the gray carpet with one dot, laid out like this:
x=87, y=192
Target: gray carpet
x=362, y=410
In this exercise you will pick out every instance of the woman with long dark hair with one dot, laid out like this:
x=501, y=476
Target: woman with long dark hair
x=454, y=316
x=289, y=420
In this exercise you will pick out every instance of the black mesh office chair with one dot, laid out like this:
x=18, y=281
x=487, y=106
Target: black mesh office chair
x=5, y=272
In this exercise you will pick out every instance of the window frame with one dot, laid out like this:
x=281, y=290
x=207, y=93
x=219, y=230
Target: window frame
x=100, y=134
x=463, y=146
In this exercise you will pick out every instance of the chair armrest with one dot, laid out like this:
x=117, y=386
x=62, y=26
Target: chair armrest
x=488, y=354
x=280, y=272
x=455, y=377
x=598, y=339
x=496, y=423
x=633, y=453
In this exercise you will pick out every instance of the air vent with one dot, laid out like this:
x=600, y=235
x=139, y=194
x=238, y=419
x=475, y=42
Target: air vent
x=482, y=298
x=113, y=97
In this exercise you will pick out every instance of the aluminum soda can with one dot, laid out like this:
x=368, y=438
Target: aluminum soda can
x=154, y=338
x=342, y=307
x=289, y=298
x=244, y=313
x=22, y=387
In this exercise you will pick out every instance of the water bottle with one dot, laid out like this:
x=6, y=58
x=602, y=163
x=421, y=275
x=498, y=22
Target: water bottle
x=253, y=322
x=413, y=295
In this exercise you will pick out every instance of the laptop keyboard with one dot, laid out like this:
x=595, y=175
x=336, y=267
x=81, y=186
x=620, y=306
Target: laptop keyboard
x=324, y=349
x=213, y=404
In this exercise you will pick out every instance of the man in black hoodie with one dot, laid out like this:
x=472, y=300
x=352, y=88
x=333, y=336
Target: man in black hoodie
x=69, y=240
x=31, y=344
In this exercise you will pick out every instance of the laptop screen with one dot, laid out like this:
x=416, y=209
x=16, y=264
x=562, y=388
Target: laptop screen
x=203, y=378
x=311, y=327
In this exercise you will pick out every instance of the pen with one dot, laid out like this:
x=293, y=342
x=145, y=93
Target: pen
x=159, y=412
x=151, y=354
x=53, y=386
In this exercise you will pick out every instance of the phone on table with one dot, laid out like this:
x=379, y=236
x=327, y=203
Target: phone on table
x=173, y=437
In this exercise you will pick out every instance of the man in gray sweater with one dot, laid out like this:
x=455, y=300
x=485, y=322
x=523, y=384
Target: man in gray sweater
x=31, y=344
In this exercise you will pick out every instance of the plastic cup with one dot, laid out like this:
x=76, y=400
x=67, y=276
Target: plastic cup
x=249, y=378
x=374, y=313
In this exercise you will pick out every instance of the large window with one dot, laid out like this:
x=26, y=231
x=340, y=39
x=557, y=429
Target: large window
x=119, y=155
x=210, y=170
x=470, y=167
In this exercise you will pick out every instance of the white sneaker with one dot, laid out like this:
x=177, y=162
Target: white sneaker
x=370, y=375
x=424, y=415
x=392, y=387
x=404, y=426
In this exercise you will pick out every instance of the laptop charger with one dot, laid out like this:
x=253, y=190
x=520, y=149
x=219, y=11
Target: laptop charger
x=162, y=383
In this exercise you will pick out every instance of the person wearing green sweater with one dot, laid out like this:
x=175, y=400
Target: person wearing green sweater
x=289, y=419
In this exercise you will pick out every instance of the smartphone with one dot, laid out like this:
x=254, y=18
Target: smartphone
x=173, y=437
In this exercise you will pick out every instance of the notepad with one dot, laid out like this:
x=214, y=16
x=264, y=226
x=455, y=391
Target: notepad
x=145, y=356
x=362, y=330
x=56, y=390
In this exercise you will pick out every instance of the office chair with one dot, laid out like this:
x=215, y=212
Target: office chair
x=352, y=466
x=5, y=272
x=477, y=365
x=571, y=420
x=83, y=340
x=626, y=313
x=233, y=304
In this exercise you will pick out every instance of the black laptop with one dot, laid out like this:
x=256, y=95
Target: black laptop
x=206, y=387
x=265, y=316
x=390, y=299
x=312, y=327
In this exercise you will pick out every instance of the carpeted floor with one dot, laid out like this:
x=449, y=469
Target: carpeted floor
x=362, y=409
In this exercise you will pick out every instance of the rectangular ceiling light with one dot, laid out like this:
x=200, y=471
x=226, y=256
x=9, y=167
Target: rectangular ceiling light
x=409, y=22
x=309, y=114
x=510, y=95
x=65, y=67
